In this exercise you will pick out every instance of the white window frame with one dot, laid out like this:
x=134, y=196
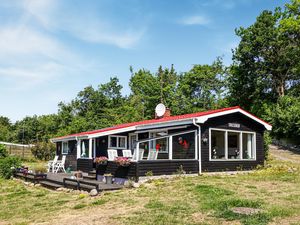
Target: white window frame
x=136, y=138
x=117, y=147
x=154, y=140
x=62, y=148
x=226, y=145
x=170, y=149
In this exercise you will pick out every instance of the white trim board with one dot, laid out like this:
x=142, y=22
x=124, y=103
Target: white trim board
x=203, y=119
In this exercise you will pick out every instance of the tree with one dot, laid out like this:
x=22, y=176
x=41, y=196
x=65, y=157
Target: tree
x=146, y=86
x=201, y=88
x=266, y=63
x=5, y=129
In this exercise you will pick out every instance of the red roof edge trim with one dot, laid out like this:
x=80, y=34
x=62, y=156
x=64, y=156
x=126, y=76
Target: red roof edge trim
x=157, y=121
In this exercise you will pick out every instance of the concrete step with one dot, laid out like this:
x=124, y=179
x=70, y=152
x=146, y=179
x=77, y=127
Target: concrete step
x=50, y=184
x=90, y=177
x=92, y=172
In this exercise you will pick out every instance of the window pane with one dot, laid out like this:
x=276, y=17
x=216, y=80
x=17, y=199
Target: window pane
x=132, y=141
x=184, y=146
x=233, y=145
x=84, y=149
x=113, y=141
x=217, y=144
x=65, y=148
x=248, y=146
x=122, y=142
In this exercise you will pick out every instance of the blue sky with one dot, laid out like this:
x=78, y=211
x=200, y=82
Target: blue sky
x=52, y=49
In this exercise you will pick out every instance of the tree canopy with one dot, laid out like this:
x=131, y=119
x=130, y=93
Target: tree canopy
x=264, y=78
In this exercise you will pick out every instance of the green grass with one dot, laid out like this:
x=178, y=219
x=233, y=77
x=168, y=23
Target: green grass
x=182, y=200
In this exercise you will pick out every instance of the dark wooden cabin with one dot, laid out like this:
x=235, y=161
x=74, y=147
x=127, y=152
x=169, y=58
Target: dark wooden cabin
x=218, y=140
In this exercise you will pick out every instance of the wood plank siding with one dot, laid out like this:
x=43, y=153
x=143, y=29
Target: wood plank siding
x=222, y=122
x=184, y=157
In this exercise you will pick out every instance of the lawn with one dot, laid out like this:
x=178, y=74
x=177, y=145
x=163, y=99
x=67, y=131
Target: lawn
x=203, y=199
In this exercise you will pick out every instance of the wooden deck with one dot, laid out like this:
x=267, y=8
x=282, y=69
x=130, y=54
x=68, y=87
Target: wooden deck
x=59, y=180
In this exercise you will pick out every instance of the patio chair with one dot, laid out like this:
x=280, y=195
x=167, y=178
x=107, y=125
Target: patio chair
x=60, y=165
x=51, y=163
x=112, y=154
x=141, y=154
x=127, y=153
x=152, y=155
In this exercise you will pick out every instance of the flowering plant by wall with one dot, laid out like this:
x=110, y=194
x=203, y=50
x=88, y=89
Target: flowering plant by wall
x=122, y=161
x=100, y=160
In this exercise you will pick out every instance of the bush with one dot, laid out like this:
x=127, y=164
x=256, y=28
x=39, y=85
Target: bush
x=3, y=152
x=7, y=166
x=43, y=150
x=267, y=142
x=40, y=169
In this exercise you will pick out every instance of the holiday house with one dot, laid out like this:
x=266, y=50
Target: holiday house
x=217, y=140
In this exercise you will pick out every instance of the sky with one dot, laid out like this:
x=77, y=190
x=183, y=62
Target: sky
x=52, y=49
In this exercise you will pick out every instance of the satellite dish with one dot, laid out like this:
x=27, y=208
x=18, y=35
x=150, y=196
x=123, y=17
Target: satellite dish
x=160, y=110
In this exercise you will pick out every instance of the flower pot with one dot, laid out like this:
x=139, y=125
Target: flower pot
x=108, y=179
x=100, y=178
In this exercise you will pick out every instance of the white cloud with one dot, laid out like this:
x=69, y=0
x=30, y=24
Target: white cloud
x=195, y=20
x=83, y=24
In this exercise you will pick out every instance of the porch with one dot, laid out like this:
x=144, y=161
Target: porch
x=154, y=152
x=64, y=180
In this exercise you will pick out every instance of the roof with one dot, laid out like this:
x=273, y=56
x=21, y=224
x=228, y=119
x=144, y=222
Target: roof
x=200, y=117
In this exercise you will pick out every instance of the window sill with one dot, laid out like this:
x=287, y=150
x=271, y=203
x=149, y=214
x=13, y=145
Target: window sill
x=226, y=160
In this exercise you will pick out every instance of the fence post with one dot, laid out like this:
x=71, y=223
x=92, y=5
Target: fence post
x=23, y=152
x=10, y=149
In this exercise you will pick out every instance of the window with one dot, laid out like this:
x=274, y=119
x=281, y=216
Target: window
x=65, y=148
x=159, y=144
x=119, y=142
x=217, y=144
x=184, y=146
x=84, y=149
x=133, y=138
x=231, y=145
x=248, y=147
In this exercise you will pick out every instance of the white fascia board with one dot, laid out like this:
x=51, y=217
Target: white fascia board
x=165, y=124
x=116, y=131
x=203, y=119
x=54, y=140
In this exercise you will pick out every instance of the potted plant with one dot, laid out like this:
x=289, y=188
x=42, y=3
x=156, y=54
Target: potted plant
x=122, y=161
x=108, y=178
x=102, y=160
x=40, y=171
x=214, y=151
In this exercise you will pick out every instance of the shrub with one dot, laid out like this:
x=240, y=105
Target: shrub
x=43, y=150
x=40, y=169
x=267, y=142
x=7, y=166
x=3, y=151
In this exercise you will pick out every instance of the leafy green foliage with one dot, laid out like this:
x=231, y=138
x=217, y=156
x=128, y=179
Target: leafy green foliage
x=43, y=150
x=7, y=164
x=267, y=60
x=3, y=151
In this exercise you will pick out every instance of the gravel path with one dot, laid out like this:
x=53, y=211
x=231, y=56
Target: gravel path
x=285, y=155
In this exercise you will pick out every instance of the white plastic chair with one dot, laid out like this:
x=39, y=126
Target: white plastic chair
x=141, y=154
x=127, y=153
x=51, y=163
x=112, y=154
x=152, y=155
x=60, y=165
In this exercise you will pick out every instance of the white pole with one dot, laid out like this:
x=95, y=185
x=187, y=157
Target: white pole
x=78, y=148
x=94, y=147
x=137, y=151
x=171, y=147
x=90, y=148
